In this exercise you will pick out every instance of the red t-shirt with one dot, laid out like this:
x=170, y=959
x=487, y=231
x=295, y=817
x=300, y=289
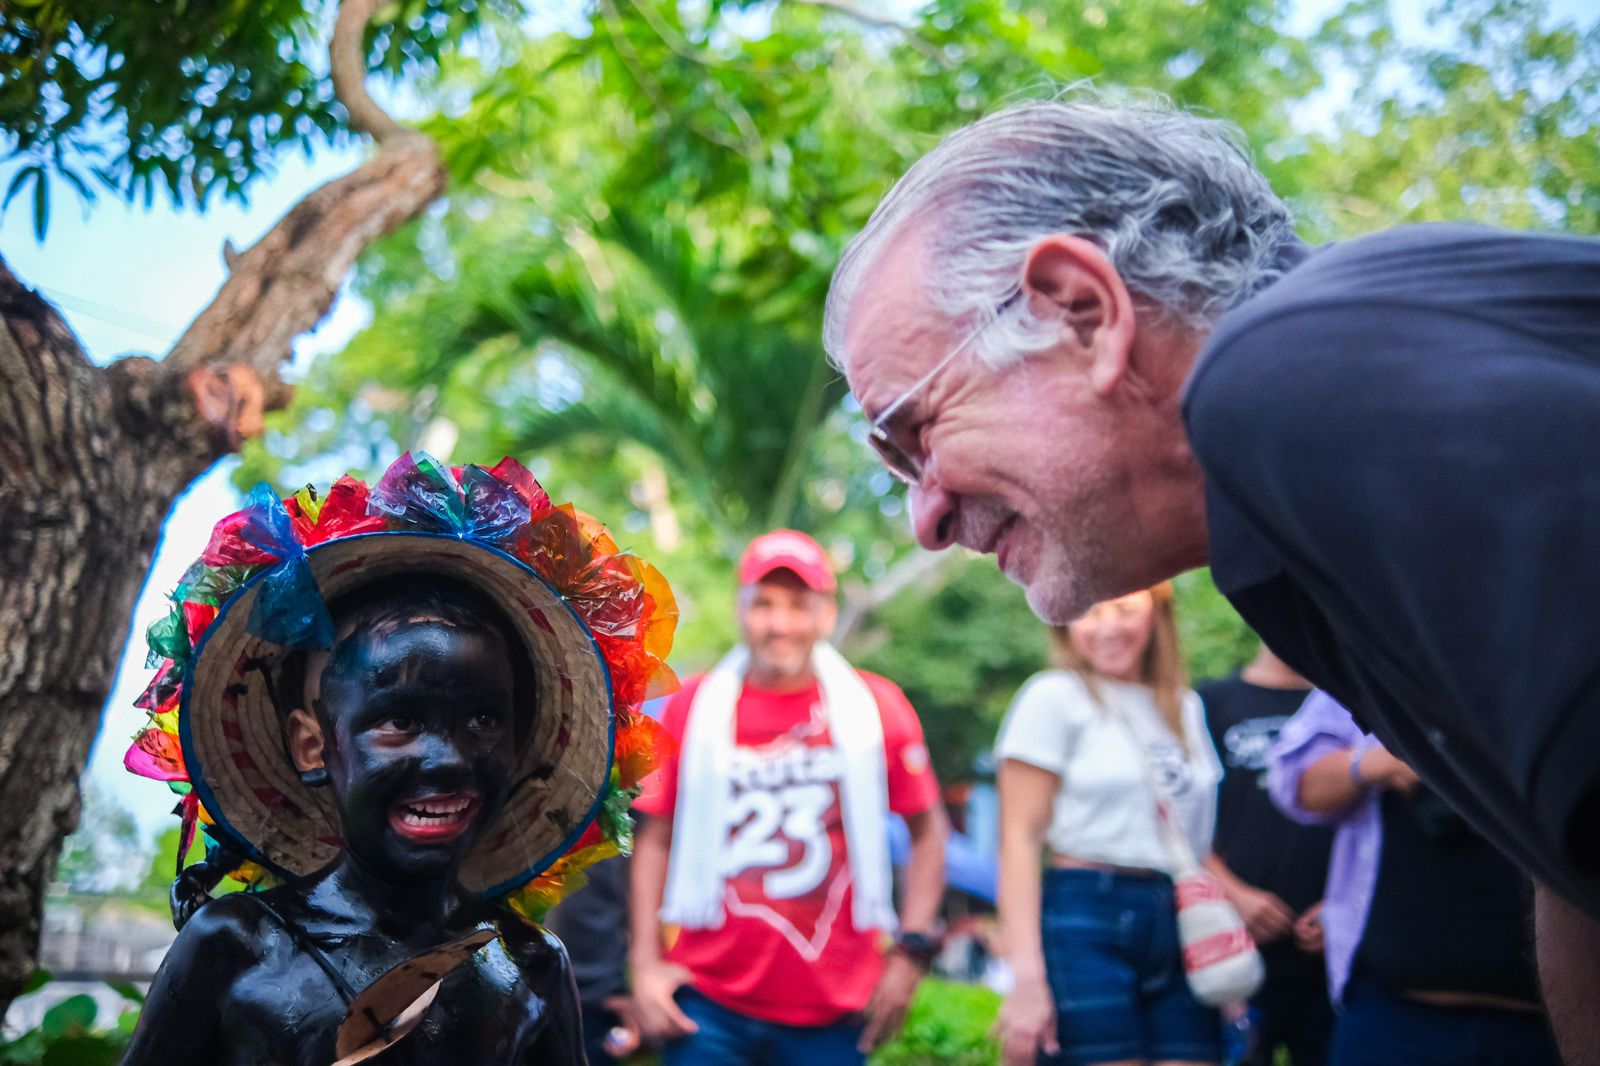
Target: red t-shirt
x=787, y=951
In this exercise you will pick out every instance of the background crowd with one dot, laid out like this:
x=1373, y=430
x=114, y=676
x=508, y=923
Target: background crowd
x=1390, y=931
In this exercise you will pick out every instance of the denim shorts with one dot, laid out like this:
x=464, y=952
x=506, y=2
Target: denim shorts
x=1116, y=971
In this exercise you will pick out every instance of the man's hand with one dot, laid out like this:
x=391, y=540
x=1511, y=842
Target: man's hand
x=624, y=1037
x=886, y=1010
x=653, y=986
x=1383, y=770
x=1308, y=930
x=1266, y=917
x=1027, y=1023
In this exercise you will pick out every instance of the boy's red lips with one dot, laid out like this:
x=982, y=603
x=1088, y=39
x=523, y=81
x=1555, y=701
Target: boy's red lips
x=435, y=818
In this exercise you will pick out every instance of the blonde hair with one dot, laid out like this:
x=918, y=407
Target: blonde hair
x=1160, y=670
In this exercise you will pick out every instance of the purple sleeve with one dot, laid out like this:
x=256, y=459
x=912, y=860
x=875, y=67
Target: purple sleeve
x=1320, y=727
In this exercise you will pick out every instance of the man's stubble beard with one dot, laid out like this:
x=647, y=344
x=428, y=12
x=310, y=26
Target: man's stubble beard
x=1077, y=569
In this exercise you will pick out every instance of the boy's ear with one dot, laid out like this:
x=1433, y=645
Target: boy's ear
x=305, y=740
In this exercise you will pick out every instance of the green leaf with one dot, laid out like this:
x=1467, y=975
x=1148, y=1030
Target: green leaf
x=17, y=181
x=38, y=980
x=28, y=1048
x=71, y=1016
x=41, y=207
x=85, y=1050
x=127, y=1022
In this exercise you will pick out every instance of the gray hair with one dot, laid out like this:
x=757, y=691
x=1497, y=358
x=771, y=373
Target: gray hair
x=1174, y=199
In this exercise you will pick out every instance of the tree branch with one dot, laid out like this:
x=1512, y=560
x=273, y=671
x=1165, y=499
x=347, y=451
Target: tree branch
x=228, y=358
x=850, y=10
x=347, y=61
x=284, y=285
x=646, y=82
x=861, y=600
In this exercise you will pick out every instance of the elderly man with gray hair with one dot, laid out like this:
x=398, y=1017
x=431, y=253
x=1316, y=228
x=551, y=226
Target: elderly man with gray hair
x=1087, y=337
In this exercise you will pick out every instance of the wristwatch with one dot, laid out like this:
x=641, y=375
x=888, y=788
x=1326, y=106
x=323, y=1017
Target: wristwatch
x=920, y=948
x=1355, y=768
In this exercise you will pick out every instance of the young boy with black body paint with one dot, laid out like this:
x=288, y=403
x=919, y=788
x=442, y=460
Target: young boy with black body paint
x=411, y=737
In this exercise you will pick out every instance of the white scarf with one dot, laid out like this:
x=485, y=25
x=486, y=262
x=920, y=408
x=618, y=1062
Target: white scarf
x=696, y=873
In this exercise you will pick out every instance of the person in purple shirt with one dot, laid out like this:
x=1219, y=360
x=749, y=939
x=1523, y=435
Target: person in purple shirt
x=1423, y=920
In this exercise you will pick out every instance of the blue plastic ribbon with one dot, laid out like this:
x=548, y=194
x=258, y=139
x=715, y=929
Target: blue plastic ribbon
x=423, y=492
x=289, y=610
x=495, y=510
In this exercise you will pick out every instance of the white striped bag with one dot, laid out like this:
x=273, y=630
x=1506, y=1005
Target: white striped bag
x=1219, y=956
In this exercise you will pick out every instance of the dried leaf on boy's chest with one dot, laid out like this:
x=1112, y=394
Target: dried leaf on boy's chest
x=391, y=1006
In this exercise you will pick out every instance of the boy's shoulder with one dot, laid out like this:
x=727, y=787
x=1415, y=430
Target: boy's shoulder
x=531, y=944
x=255, y=920
x=224, y=939
x=237, y=917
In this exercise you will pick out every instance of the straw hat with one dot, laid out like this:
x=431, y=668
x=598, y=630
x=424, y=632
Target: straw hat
x=593, y=622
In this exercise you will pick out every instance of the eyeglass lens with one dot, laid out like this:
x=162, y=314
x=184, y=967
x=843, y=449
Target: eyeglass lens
x=895, y=459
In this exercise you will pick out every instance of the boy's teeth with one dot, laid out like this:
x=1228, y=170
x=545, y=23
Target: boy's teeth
x=434, y=812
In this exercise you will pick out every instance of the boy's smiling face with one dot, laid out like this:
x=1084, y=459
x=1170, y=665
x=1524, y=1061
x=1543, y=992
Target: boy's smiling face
x=414, y=724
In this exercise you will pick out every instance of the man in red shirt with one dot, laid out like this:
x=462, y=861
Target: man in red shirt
x=765, y=840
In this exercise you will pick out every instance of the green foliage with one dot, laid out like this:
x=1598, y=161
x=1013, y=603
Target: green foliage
x=1215, y=640
x=654, y=336
x=154, y=889
x=1497, y=123
x=191, y=98
x=204, y=93
x=66, y=1035
x=98, y=855
x=625, y=283
x=96, y=873
x=626, y=280
x=960, y=647
x=948, y=1025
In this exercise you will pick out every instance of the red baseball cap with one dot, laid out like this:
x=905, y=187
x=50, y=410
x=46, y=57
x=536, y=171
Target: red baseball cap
x=787, y=549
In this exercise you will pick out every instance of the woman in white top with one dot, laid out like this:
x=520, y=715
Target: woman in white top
x=1094, y=943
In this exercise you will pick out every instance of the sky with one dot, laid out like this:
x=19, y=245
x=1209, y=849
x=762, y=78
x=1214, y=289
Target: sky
x=129, y=279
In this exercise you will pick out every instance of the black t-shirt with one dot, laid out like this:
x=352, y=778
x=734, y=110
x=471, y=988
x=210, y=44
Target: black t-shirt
x=593, y=924
x=1448, y=912
x=1253, y=837
x=1401, y=440
x=1261, y=846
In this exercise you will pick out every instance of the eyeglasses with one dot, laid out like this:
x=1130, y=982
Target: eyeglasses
x=901, y=463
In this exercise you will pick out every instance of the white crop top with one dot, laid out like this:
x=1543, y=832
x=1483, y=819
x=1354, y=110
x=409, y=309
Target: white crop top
x=1104, y=811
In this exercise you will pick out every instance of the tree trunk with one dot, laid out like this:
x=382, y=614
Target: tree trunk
x=91, y=459
x=82, y=509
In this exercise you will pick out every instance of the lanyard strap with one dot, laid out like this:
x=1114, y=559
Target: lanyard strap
x=1173, y=839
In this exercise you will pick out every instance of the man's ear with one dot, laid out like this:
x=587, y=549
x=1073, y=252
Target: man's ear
x=305, y=740
x=1075, y=278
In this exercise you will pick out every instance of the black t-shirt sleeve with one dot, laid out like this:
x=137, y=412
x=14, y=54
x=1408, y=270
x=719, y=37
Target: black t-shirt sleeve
x=1426, y=468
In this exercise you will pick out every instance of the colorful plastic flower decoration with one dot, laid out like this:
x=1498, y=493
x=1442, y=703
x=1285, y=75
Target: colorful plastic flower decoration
x=624, y=601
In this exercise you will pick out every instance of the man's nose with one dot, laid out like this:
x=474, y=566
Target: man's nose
x=933, y=515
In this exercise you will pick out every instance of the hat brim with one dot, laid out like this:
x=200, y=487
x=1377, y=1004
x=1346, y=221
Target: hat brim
x=238, y=759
